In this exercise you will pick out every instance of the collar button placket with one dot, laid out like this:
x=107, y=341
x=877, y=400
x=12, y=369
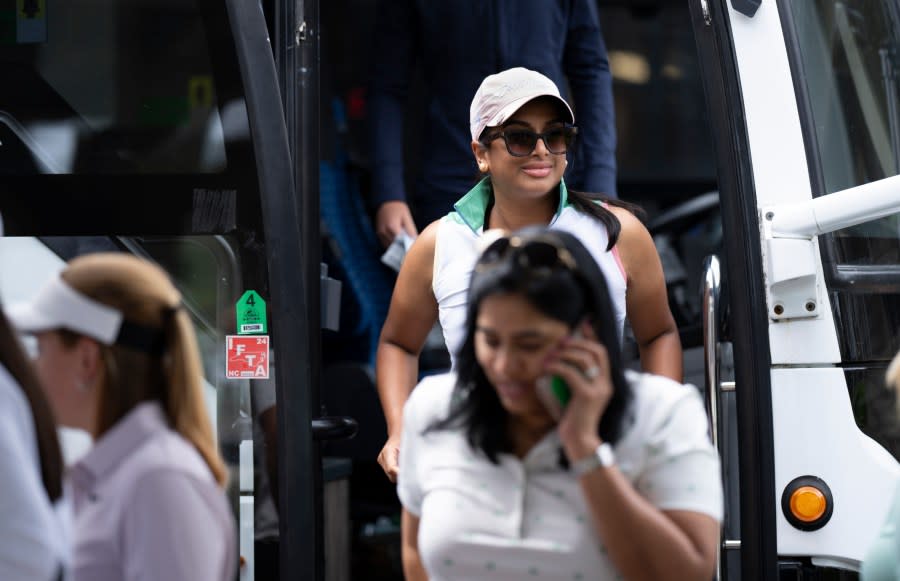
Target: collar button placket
x=521, y=484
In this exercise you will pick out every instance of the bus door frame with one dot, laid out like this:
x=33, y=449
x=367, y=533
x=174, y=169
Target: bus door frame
x=743, y=289
x=290, y=218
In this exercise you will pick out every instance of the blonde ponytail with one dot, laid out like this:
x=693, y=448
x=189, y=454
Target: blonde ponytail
x=185, y=406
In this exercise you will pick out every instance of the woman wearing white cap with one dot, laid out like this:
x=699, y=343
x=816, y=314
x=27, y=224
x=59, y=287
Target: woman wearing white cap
x=118, y=358
x=34, y=544
x=522, y=130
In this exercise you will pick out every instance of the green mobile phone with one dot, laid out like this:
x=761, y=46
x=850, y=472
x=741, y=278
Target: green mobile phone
x=554, y=393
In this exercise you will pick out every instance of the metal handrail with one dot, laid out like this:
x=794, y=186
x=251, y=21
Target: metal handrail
x=710, y=289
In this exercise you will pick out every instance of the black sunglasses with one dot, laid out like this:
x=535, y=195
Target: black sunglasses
x=542, y=253
x=521, y=142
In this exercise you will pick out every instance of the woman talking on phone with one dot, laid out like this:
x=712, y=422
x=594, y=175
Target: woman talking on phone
x=620, y=482
x=522, y=130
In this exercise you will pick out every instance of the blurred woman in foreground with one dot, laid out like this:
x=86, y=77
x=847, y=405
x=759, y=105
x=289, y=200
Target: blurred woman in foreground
x=509, y=474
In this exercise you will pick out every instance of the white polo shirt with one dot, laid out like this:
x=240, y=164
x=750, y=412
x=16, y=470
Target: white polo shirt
x=527, y=519
x=456, y=250
x=34, y=534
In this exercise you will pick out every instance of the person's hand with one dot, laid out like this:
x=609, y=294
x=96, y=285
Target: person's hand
x=392, y=218
x=389, y=458
x=584, y=365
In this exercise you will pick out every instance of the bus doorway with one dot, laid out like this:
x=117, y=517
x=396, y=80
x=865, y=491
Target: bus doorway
x=665, y=159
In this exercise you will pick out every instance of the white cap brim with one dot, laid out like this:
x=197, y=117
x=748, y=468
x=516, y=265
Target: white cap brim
x=59, y=306
x=505, y=113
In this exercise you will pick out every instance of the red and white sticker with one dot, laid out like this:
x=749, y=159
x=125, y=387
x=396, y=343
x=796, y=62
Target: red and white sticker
x=247, y=357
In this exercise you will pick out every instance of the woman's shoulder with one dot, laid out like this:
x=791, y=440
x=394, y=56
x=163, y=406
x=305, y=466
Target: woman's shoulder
x=631, y=226
x=165, y=454
x=656, y=399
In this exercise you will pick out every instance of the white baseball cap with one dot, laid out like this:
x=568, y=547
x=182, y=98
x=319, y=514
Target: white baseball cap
x=504, y=93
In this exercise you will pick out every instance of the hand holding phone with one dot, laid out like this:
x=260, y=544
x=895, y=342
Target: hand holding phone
x=553, y=391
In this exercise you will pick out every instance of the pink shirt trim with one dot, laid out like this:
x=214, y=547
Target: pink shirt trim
x=615, y=252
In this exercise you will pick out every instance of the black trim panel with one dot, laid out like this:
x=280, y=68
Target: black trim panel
x=75, y=205
x=743, y=282
x=297, y=65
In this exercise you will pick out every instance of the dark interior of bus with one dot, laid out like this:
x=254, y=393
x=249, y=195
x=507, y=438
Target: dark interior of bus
x=665, y=164
x=166, y=106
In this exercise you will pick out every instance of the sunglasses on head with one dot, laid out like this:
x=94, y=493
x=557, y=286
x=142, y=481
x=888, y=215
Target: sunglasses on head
x=521, y=142
x=541, y=253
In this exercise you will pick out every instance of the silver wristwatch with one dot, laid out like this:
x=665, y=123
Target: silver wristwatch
x=602, y=456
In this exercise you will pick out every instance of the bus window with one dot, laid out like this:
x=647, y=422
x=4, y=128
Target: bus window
x=663, y=144
x=135, y=109
x=848, y=55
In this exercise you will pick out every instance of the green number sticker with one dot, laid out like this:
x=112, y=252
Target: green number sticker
x=251, y=314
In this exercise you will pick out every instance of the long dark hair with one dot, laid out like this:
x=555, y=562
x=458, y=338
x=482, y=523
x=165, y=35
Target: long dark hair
x=595, y=205
x=13, y=358
x=565, y=294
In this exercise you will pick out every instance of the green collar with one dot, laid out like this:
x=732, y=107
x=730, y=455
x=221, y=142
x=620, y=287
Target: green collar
x=471, y=208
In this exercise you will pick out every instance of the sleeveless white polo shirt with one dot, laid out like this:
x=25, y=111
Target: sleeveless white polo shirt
x=456, y=251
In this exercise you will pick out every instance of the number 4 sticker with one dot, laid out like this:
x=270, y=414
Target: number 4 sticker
x=251, y=314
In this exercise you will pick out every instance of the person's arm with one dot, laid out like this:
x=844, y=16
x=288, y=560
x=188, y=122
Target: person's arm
x=393, y=217
x=394, y=52
x=413, y=570
x=643, y=541
x=175, y=528
x=410, y=317
x=586, y=66
x=646, y=301
x=409, y=488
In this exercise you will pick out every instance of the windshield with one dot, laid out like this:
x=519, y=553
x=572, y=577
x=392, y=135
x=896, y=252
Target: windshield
x=79, y=95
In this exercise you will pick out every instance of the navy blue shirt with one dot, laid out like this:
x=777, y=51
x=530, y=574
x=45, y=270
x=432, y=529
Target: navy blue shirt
x=458, y=43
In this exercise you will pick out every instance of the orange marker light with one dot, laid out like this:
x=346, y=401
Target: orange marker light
x=808, y=503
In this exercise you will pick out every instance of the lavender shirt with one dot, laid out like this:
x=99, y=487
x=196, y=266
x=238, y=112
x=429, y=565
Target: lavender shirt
x=147, y=507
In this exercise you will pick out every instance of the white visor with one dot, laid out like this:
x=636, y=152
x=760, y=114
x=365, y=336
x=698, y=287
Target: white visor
x=59, y=306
